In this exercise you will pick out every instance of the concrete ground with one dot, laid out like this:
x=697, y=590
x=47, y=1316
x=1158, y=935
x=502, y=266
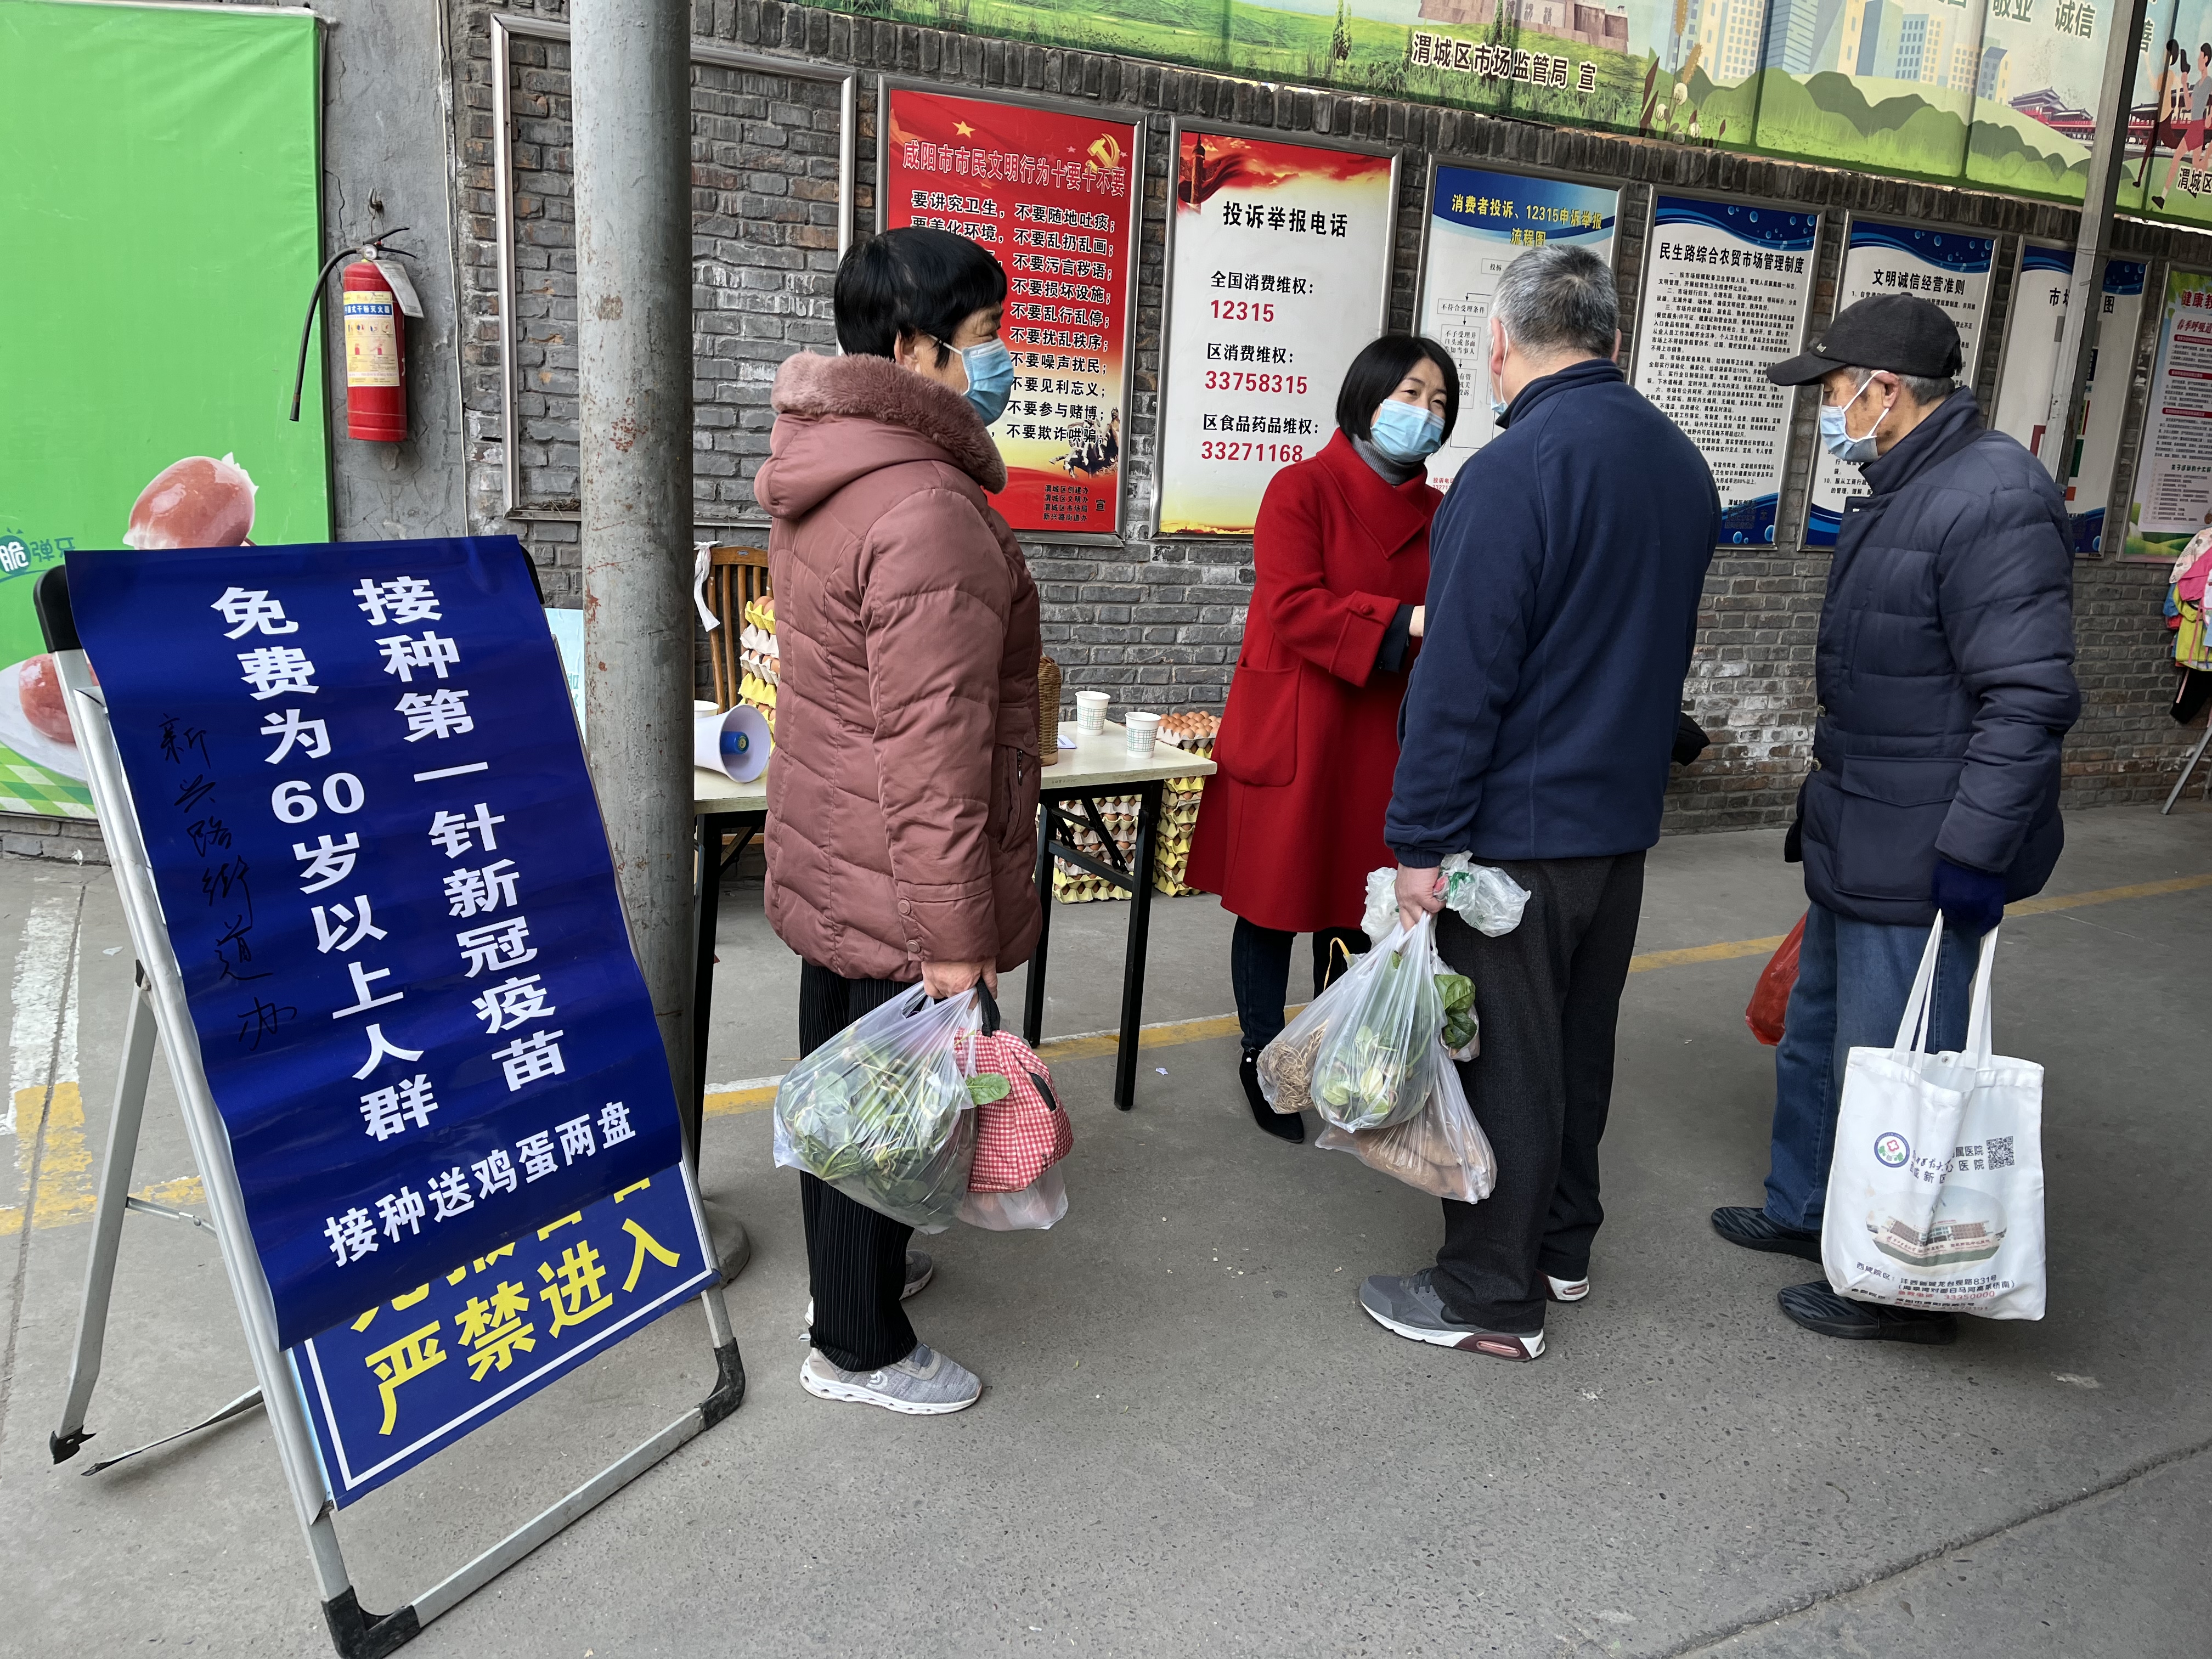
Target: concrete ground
x=1193, y=1442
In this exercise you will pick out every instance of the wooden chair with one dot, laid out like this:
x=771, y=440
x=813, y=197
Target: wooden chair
x=736, y=577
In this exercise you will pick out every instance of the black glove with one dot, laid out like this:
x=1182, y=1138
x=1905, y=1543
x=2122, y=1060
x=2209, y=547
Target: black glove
x=1690, y=740
x=1972, y=901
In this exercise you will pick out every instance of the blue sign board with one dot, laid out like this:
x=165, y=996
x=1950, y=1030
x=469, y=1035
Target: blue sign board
x=382, y=868
x=398, y=1383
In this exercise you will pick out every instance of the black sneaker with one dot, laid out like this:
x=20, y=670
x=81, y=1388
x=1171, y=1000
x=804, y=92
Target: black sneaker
x=1284, y=1126
x=1819, y=1310
x=1754, y=1229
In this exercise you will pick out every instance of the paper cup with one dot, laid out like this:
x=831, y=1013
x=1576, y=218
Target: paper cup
x=1090, y=712
x=735, y=744
x=1144, y=732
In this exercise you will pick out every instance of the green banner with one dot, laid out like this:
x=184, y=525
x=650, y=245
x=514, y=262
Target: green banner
x=159, y=234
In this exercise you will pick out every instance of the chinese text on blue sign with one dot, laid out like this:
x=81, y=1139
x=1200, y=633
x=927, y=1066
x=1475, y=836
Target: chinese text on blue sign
x=392, y=902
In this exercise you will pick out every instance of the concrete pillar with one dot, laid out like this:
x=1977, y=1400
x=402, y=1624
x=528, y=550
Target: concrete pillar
x=630, y=81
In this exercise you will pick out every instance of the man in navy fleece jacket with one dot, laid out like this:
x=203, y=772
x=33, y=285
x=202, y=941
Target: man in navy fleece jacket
x=1565, y=568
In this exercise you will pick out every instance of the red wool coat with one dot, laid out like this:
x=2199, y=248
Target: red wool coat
x=1289, y=830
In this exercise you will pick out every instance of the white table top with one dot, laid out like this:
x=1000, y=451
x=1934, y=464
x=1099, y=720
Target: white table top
x=1102, y=763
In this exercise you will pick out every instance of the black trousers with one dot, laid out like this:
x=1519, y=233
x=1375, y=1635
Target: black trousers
x=1259, y=973
x=855, y=1256
x=1548, y=996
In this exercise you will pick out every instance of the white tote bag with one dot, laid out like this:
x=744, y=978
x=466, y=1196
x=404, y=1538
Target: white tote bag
x=1936, y=1190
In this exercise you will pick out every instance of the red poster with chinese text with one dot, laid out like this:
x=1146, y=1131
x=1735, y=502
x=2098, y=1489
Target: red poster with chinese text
x=1049, y=194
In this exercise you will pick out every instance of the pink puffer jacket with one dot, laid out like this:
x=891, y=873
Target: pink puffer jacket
x=901, y=803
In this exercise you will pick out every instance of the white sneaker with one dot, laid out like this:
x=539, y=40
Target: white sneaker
x=925, y=1383
x=1566, y=1290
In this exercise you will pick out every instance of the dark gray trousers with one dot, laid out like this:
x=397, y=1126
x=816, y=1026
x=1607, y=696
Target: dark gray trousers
x=1548, y=995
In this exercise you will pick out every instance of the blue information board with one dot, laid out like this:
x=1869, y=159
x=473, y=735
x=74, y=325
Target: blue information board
x=384, y=873
x=405, y=1379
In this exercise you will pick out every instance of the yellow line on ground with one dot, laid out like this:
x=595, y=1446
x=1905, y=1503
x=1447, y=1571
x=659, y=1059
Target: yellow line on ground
x=1172, y=1033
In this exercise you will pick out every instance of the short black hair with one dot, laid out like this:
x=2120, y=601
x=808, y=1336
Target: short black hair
x=1376, y=371
x=912, y=280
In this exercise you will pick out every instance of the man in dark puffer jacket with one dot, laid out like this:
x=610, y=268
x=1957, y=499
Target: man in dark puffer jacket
x=1946, y=684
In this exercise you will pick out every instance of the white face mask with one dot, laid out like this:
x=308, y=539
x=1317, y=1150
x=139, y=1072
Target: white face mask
x=1839, y=439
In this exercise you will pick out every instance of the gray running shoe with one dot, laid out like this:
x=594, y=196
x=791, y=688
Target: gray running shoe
x=919, y=1270
x=1411, y=1307
x=925, y=1383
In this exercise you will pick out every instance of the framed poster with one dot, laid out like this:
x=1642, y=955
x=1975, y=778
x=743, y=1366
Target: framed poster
x=1941, y=266
x=2172, y=496
x=1725, y=294
x=2104, y=406
x=1479, y=222
x=1048, y=190
x=2035, y=326
x=1279, y=271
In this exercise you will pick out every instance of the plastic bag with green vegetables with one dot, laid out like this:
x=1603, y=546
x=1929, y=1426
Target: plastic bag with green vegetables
x=1368, y=1072
x=882, y=1110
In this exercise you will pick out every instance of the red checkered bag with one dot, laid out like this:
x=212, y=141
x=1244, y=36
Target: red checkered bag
x=1023, y=1132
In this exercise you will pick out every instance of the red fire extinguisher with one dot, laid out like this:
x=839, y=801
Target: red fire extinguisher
x=376, y=299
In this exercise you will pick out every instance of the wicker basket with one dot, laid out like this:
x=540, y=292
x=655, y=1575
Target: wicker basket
x=1048, y=681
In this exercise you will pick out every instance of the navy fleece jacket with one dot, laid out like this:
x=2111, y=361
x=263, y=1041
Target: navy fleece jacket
x=1565, y=568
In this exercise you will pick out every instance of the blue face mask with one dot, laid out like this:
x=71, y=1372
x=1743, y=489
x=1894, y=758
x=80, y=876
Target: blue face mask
x=1498, y=408
x=990, y=378
x=1840, y=443
x=1405, y=434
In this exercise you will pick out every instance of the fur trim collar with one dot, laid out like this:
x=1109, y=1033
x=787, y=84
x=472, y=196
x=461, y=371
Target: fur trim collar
x=817, y=387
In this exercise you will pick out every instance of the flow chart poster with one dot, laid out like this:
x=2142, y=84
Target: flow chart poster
x=1726, y=296
x=1280, y=268
x=1480, y=223
x=1049, y=194
x=2034, y=328
x=1942, y=266
x=2174, y=480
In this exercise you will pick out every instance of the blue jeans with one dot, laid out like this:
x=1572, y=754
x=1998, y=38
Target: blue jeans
x=1853, y=978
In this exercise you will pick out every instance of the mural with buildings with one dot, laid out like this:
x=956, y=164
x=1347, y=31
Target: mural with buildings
x=1996, y=92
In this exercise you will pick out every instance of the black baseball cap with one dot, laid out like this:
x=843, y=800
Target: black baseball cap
x=1900, y=332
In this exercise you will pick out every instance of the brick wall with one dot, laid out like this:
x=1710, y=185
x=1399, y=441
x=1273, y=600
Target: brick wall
x=1157, y=620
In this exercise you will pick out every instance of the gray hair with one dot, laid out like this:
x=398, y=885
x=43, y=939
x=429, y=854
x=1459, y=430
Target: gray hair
x=1558, y=298
x=1922, y=389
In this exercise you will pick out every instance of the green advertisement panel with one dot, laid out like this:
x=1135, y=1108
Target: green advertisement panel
x=159, y=236
x=1997, y=93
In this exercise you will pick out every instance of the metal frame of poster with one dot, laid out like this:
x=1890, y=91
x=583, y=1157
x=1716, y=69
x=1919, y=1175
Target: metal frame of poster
x=2104, y=419
x=2188, y=304
x=1168, y=402
x=1831, y=484
x=1115, y=407
x=2058, y=258
x=508, y=27
x=1474, y=374
x=1639, y=335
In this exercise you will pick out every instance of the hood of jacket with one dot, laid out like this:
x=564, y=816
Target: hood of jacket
x=838, y=419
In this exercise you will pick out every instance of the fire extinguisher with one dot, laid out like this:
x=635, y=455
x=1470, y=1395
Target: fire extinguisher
x=376, y=299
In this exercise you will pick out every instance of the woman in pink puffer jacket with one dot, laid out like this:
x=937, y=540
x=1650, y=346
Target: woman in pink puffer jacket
x=902, y=828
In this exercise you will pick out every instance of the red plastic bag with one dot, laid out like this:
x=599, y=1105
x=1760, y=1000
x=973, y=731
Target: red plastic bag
x=1770, y=997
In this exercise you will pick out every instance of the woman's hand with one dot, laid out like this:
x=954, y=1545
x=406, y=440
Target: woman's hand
x=1420, y=621
x=949, y=979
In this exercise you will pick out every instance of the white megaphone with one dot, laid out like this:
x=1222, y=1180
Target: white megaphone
x=735, y=744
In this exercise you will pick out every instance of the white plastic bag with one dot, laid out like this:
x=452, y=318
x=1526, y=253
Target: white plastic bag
x=1035, y=1208
x=883, y=1113
x=1936, y=1190
x=1441, y=1150
x=1355, y=1053
x=1485, y=899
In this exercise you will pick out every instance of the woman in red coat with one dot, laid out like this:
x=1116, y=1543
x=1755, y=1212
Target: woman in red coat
x=1289, y=830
